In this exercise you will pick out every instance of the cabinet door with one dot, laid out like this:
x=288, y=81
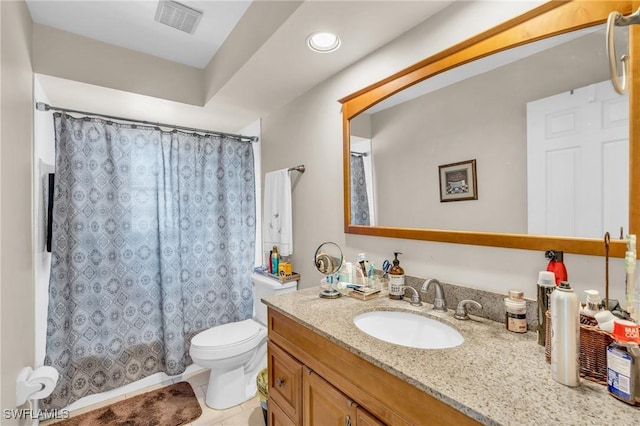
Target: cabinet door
x=364, y=418
x=277, y=416
x=324, y=405
x=285, y=382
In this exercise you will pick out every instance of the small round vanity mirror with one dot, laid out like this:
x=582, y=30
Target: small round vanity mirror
x=328, y=259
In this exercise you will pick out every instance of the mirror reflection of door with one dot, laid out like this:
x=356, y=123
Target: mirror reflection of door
x=577, y=162
x=362, y=185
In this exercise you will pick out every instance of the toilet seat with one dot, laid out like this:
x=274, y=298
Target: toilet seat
x=227, y=340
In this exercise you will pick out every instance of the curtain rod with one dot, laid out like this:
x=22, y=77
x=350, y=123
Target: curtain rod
x=41, y=106
x=359, y=154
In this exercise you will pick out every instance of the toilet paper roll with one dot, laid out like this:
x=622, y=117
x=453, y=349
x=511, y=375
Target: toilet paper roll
x=46, y=377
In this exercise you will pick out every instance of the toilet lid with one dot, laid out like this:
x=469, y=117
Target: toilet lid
x=233, y=333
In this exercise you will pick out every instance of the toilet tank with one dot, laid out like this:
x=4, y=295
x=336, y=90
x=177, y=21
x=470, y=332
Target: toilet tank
x=264, y=286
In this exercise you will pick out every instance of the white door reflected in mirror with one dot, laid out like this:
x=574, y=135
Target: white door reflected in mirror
x=577, y=162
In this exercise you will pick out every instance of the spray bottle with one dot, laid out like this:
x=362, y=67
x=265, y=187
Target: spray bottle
x=556, y=265
x=565, y=335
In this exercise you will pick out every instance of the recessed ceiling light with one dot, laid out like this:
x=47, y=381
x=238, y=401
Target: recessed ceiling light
x=323, y=42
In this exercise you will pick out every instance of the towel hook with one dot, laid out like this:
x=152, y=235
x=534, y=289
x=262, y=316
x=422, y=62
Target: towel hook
x=616, y=18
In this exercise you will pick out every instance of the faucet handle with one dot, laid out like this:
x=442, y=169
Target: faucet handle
x=415, y=297
x=461, y=309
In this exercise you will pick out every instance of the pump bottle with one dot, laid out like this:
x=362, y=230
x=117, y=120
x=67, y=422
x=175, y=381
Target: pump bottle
x=396, y=279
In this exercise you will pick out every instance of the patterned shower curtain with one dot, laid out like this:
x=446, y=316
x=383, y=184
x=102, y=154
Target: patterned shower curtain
x=359, y=198
x=153, y=241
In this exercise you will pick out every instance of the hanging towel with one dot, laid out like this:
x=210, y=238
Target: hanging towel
x=277, y=229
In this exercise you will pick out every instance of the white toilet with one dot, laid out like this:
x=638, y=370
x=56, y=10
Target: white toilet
x=236, y=352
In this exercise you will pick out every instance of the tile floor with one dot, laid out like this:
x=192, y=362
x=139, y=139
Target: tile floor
x=246, y=414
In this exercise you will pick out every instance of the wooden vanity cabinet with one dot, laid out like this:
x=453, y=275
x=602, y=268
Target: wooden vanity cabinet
x=277, y=417
x=317, y=401
x=324, y=404
x=285, y=383
x=363, y=418
x=315, y=382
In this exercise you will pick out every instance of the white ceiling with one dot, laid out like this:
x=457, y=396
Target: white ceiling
x=281, y=69
x=131, y=24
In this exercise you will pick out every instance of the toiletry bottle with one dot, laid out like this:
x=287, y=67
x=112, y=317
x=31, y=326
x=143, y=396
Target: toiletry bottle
x=516, y=312
x=362, y=258
x=349, y=271
x=371, y=276
x=623, y=362
x=556, y=265
x=565, y=335
x=275, y=260
x=396, y=279
x=270, y=261
x=360, y=277
x=546, y=285
x=343, y=275
x=593, y=303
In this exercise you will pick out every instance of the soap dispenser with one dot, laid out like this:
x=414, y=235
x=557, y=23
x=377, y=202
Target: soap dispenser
x=396, y=279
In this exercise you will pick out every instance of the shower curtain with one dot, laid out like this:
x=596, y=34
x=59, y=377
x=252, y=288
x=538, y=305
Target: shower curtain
x=153, y=241
x=359, y=198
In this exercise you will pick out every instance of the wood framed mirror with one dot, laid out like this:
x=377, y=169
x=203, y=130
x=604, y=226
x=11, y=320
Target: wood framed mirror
x=553, y=19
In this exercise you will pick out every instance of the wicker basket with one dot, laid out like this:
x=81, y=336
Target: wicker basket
x=593, y=349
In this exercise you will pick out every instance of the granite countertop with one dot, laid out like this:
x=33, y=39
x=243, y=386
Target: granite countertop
x=496, y=377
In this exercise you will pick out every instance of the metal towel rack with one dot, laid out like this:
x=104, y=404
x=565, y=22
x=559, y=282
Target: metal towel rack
x=299, y=168
x=616, y=18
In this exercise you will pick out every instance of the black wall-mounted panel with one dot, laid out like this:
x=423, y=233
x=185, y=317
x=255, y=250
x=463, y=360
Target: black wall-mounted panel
x=50, y=183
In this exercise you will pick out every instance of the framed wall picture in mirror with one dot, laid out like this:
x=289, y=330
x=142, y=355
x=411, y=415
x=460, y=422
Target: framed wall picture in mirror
x=528, y=90
x=458, y=181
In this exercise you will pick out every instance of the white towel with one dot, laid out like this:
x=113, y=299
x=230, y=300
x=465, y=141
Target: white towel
x=277, y=229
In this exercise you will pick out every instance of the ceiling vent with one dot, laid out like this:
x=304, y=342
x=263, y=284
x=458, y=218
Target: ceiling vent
x=178, y=16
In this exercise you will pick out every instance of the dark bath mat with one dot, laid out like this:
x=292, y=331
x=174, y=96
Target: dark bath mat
x=172, y=405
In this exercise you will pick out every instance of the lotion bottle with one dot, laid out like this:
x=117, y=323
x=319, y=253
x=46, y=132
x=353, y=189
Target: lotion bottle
x=396, y=279
x=593, y=305
x=565, y=335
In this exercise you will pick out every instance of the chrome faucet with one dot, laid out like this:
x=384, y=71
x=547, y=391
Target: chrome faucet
x=439, y=303
x=461, y=309
x=415, y=297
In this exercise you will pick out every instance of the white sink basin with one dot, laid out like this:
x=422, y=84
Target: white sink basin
x=407, y=329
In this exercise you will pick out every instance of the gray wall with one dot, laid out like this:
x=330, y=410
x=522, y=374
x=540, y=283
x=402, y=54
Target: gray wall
x=16, y=267
x=73, y=57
